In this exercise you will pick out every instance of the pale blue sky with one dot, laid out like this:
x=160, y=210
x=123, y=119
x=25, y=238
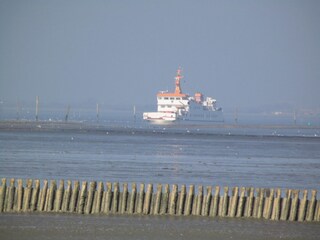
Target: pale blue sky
x=244, y=53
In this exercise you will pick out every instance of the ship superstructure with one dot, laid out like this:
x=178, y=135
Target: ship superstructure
x=176, y=106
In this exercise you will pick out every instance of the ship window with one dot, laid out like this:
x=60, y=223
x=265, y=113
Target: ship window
x=159, y=98
x=171, y=98
x=166, y=98
x=178, y=98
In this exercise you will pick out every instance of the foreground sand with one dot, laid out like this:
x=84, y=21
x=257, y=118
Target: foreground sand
x=51, y=226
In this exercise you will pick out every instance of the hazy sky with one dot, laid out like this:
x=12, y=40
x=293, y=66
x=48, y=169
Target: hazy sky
x=244, y=53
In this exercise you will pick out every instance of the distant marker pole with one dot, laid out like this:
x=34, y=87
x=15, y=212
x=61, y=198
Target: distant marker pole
x=37, y=108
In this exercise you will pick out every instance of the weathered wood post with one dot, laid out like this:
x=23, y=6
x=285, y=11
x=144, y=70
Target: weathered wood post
x=165, y=200
x=124, y=198
x=286, y=203
x=214, y=209
x=157, y=204
x=140, y=199
x=317, y=214
x=277, y=206
x=89, y=200
x=261, y=203
x=59, y=196
x=199, y=199
x=206, y=209
x=115, y=200
x=181, y=200
x=311, y=206
x=147, y=200
x=109, y=193
x=241, y=204
x=303, y=206
x=35, y=195
x=51, y=195
x=132, y=198
x=66, y=197
x=74, y=197
x=20, y=192
x=294, y=205
x=82, y=197
x=10, y=195
x=250, y=201
x=27, y=195
x=43, y=196
x=256, y=203
x=173, y=199
x=234, y=202
x=189, y=201
x=269, y=204
x=225, y=202
x=3, y=190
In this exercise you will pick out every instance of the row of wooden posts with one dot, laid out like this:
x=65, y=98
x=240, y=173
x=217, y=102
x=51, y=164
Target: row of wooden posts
x=95, y=198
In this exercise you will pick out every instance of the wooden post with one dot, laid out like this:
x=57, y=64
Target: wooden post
x=107, y=206
x=260, y=203
x=3, y=190
x=256, y=203
x=74, y=197
x=294, y=205
x=311, y=206
x=66, y=197
x=189, y=201
x=147, y=200
x=158, y=200
x=59, y=196
x=241, y=204
x=250, y=202
x=115, y=200
x=132, y=198
x=27, y=195
x=317, y=214
x=234, y=202
x=199, y=197
x=82, y=197
x=43, y=195
x=89, y=200
x=225, y=202
x=123, y=203
x=20, y=195
x=303, y=206
x=181, y=200
x=269, y=205
x=10, y=198
x=277, y=206
x=140, y=199
x=207, y=201
x=214, y=209
x=35, y=195
x=286, y=205
x=164, y=200
x=51, y=195
x=173, y=199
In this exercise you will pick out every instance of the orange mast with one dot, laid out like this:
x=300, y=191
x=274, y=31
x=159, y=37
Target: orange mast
x=178, y=78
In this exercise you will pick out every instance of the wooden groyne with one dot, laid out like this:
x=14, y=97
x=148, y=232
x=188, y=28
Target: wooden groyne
x=107, y=198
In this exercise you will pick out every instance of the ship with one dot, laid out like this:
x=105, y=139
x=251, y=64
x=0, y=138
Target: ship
x=179, y=107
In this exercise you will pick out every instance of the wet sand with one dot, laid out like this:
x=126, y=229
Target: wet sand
x=61, y=226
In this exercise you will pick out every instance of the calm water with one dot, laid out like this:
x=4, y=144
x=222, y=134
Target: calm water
x=259, y=157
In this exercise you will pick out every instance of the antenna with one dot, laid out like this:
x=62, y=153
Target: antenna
x=134, y=113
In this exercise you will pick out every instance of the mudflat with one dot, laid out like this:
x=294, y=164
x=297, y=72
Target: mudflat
x=73, y=226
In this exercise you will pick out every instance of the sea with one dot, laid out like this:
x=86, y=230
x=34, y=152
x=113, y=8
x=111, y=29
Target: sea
x=247, y=153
